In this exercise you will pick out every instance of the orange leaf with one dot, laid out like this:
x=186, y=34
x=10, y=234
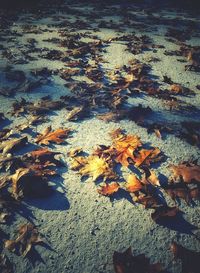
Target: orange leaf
x=124, y=148
x=52, y=136
x=176, y=88
x=147, y=156
x=108, y=189
x=133, y=183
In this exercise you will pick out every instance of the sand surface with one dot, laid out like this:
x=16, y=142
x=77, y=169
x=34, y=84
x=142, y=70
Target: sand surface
x=81, y=227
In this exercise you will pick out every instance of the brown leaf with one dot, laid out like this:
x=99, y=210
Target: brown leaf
x=12, y=144
x=187, y=172
x=148, y=201
x=146, y=157
x=190, y=259
x=56, y=136
x=108, y=189
x=28, y=237
x=164, y=212
x=179, y=190
x=31, y=182
x=123, y=148
x=125, y=262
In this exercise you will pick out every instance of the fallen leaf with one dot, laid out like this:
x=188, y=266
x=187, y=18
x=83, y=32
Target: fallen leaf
x=164, y=212
x=180, y=190
x=28, y=237
x=125, y=262
x=108, y=189
x=150, y=177
x=148, y=201
x=133, y=184
x=12, y=144
x=146, y=157
x=96, y=167
x=187, y=172
x=76, y=113
x=123, y=148
x=31, y=182
x=48, y=136
x=74, y=152
x=189, y=258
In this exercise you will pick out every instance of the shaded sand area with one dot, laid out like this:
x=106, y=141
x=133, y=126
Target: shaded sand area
x=88, y=70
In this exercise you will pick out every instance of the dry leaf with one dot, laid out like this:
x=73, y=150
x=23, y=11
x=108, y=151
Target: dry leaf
x=146, y=157
x=187, y=172
x=190, y=259
x=96, y=167
x=76, y=113
x=179, y=190
x=123, y=148
x=125, y=262
x=133, y=184
x=108, y=189
x=148, y=201
x=56, y=136
x=164, y=212
x=11, y=144
x=150, y=177
x=31, y=182
x=28, y=237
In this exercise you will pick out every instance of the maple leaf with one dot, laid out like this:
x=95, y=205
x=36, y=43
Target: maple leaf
x=108, y=189
x=146, y=157
x=125, y=262
x=48, y=136
x=188, y=172
x=97, y=167
x=28, y=237
x=94, y=166
x=179, y=190
x=123, y=147
x=133, y=184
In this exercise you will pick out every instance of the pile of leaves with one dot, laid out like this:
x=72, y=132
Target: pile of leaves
x=126, y=151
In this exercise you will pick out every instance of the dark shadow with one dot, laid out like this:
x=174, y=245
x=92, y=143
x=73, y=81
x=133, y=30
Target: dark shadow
x=178, y=223
x=122, y=194
x=57, y=201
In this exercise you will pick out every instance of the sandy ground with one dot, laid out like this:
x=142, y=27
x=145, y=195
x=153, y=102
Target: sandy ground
x=81, y=227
